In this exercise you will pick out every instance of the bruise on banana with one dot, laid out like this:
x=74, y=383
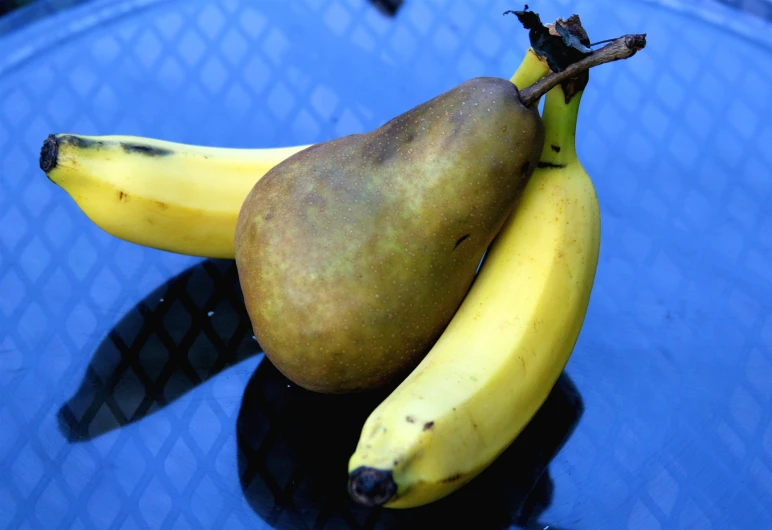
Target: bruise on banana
x=145, y=149
x=124, y=197
x=550, y=164
x=77, y=141
x=49, y=153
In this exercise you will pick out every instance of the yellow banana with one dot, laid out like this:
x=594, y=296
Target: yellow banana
x=170, y=196
x=166, y=195
x=505, y=348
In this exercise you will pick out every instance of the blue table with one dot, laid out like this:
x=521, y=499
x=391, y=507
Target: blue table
x=133, y=395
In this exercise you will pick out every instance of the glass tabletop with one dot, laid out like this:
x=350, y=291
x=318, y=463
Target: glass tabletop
x=134, y=395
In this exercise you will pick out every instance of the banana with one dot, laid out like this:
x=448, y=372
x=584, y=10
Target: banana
x=165, y=195
x=506, y=346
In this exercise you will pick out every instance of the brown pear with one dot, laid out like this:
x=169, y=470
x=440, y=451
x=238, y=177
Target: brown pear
x=354, y=254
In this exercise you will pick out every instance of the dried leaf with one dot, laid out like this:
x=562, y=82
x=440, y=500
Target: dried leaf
x=561, y=50
x=571, y=40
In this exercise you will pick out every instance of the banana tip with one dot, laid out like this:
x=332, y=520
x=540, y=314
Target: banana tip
x=49, y=153
x=371, y=487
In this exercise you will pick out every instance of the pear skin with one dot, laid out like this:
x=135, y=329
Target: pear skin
x=354, y=254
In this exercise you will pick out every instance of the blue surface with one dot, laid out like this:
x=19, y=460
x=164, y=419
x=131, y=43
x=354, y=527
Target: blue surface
x=132, y=394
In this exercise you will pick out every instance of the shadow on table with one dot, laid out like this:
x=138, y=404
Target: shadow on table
x=387, y=7
x=183, y=333
x=294, y=446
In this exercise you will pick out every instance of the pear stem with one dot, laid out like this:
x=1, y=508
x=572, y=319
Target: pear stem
x=620, y=48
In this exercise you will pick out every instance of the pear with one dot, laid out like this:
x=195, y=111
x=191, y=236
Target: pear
x=354, y=254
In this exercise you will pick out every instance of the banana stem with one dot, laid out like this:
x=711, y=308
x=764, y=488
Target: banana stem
x=620, y=48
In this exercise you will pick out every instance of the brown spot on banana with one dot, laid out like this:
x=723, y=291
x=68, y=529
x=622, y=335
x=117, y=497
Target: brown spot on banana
x=550, y=164
x=146, y=150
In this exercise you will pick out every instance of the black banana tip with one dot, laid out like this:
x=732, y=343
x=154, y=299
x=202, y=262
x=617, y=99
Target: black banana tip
x=370, y=486
x=49, y=153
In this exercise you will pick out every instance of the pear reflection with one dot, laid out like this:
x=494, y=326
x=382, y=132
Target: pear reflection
x=294, y=447
x=183, y=333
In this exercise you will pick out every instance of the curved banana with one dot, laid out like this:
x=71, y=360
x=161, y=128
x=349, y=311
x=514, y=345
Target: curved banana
x=165, y=195
x=505, y=348
x=170, y=196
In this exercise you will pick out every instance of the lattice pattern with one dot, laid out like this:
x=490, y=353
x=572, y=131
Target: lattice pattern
x=128, y=391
